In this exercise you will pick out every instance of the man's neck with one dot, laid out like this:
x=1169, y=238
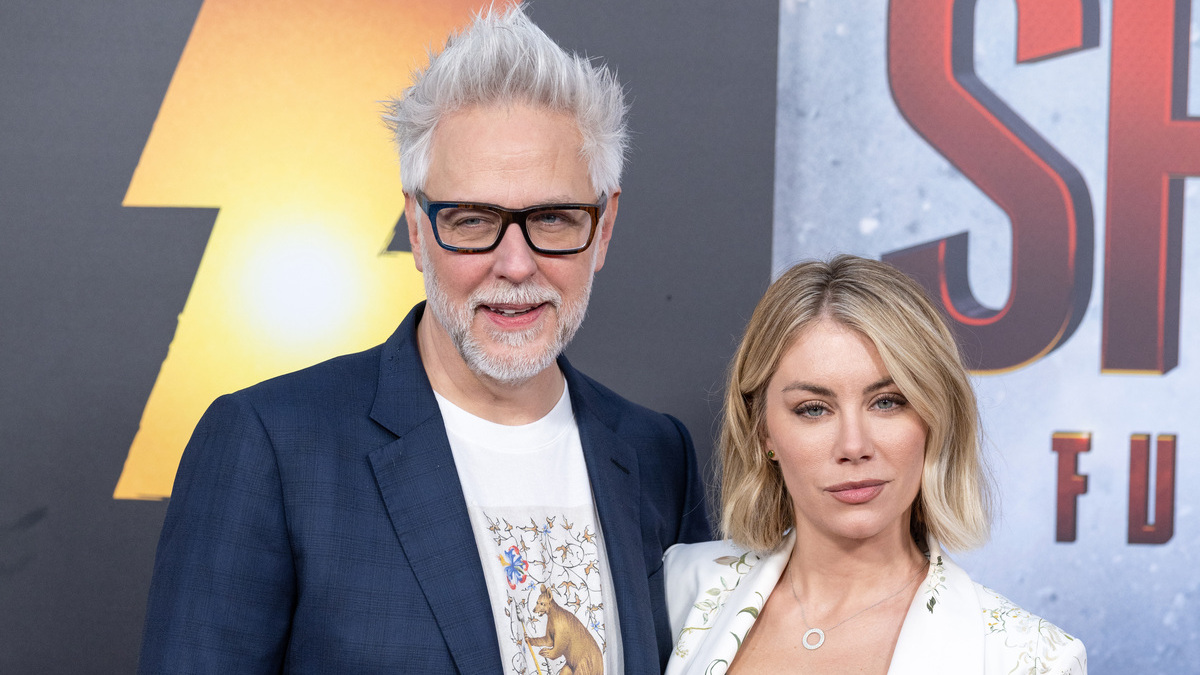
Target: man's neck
x=495, y=401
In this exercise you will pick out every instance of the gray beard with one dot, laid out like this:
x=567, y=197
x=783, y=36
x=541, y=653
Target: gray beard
x=523, y=360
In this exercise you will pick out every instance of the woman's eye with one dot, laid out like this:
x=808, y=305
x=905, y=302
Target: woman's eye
x=811, y=410
x=889, y=403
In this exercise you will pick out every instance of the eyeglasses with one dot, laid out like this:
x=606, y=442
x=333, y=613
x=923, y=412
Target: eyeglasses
x=549, y=229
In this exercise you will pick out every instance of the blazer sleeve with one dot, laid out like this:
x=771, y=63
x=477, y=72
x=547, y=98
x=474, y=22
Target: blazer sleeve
x=1073, y=657
x=682, y=584
x=1018, y=641
x=223, y=590
x=1055, y=652
x=694, y=525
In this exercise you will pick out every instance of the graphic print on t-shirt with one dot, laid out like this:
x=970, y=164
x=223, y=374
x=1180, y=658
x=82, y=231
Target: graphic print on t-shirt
x=555, y=606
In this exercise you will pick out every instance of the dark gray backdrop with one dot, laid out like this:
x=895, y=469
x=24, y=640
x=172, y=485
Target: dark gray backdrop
x=90, y=291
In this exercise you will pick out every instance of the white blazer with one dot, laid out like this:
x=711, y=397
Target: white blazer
x=954, y=626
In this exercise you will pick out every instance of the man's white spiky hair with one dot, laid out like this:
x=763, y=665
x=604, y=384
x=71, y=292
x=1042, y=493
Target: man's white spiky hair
x=503, y=57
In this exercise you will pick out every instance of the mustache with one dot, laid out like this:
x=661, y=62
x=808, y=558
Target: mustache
x=504, y=293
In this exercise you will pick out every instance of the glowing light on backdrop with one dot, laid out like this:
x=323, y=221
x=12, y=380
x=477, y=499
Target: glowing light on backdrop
x=272, y=117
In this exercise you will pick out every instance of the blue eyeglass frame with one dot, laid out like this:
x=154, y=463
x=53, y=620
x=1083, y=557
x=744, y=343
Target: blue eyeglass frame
x=508, y=217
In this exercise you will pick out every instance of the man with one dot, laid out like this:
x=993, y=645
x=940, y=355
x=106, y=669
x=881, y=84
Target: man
x=458, y=499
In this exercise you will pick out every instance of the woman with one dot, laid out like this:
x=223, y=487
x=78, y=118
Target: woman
x=851, y=459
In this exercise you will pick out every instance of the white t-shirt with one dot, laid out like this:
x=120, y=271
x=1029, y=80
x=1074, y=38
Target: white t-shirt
x=539, y=539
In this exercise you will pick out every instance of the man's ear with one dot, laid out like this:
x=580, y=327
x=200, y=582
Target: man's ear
x=606, y=227
x=412, y=216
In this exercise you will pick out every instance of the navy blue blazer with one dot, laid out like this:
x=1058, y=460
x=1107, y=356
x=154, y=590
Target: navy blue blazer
x=317, y=525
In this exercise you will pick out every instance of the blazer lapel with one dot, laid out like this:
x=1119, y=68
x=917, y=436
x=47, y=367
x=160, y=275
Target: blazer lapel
x=419, y=484
x=740, y=610
x=612, y=466
x=943, y=637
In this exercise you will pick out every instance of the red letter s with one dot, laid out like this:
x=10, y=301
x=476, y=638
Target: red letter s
x=931, y=72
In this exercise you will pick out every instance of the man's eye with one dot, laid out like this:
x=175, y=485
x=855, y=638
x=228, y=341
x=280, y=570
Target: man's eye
x=546, y=218
x=467, y=220
x=553, y=220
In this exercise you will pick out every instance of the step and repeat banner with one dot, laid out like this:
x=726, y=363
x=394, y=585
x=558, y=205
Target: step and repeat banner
x=199, y=195
x=1031, y=164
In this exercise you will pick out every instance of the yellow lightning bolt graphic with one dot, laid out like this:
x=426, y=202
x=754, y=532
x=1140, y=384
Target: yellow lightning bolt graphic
x=272, y=116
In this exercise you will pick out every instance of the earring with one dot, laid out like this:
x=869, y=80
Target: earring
x=771, y=455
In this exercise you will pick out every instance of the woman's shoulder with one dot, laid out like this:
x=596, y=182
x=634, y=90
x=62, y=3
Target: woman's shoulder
x=1017, y=637
x=711, y=569
x=705, y=556
x=692, y=570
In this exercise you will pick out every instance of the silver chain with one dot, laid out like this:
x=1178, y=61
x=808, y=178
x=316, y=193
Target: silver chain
x=821, y=633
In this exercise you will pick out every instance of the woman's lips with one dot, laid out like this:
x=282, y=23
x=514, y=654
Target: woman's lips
x=856, y=492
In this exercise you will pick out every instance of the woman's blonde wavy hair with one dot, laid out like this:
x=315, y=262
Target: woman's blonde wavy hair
x=921, y=357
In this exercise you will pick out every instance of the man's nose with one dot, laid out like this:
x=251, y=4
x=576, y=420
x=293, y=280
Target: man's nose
x=514, y=260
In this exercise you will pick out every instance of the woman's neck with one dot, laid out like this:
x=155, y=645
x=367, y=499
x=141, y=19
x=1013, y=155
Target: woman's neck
x=829, y=573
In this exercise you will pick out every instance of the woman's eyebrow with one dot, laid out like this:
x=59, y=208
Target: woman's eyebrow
x=814, y=388
x=882, y=384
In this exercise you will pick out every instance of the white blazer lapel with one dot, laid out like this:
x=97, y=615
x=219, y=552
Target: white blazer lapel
x=716, y=624
x=943, y=632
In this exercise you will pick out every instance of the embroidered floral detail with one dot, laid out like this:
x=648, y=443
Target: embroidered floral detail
x=753, y=611
x=714, y=599
x=1039, y=644
x=712, y=667
x=935, y=582
x=715, y=667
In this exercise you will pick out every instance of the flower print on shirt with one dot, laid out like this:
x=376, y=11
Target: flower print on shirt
x=555, y=558
x=515, y=566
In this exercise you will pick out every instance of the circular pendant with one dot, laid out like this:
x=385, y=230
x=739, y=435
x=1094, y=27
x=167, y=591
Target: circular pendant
x=820, y=638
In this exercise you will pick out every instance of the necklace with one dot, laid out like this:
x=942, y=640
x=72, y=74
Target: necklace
x=821, y=633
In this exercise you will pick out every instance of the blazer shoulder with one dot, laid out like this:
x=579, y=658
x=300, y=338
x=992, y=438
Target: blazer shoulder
x=618, y=411
x=345, y=379
x=690, y=570
x=1018, y=640
x=599, y=394
x=702, y=558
